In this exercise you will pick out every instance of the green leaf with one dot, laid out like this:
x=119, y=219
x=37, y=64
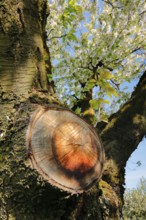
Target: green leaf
x=94, y=104
x=106, y=75
x=79, y=9
x=111, y=91
x=72, y=2
x=100, y=37
x=50, y=77
x=104, y=117
x=72, y=37
x=78, y=111
x=104, y=101
x=90, y=84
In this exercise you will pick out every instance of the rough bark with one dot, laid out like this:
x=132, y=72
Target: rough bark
x=24, y=65
x=23, y=47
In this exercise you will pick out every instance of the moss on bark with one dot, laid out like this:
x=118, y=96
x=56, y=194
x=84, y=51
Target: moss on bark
x=23, y=73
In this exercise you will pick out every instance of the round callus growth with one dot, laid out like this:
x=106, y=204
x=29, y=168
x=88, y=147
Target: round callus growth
x=65, y=150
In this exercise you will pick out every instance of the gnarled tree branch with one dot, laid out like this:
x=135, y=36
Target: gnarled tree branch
x=123, y=133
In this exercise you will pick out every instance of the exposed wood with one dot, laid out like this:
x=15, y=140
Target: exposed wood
x=65, y=150
x=24, y=65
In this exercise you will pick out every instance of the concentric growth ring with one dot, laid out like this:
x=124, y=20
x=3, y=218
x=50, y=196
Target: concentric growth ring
x=65, y=149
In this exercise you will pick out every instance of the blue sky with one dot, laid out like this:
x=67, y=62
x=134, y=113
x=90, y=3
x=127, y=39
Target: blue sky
x=133, y=171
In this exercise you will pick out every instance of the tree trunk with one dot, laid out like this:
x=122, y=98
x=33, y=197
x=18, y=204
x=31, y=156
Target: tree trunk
x=24, y=65
x=24, y=56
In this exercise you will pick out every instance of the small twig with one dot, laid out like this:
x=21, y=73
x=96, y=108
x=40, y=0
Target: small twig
x=143, y=12
x=50, y=31
x=54, y=37
x=112, y=5
x=115, y=84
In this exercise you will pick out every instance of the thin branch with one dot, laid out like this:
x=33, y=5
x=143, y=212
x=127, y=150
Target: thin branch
x=57, y=37
x=143, y=12
x=85, y=67
x=112, y=5
x=108, y=68
x=118, y=60
x=115, y=84
x=130, y=132
x=50, y=31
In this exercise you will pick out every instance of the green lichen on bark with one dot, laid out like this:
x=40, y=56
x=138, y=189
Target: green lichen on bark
x=110, y=201
x=23, y=192
x=11, y=21
x=24, y=65
x=22, y=189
